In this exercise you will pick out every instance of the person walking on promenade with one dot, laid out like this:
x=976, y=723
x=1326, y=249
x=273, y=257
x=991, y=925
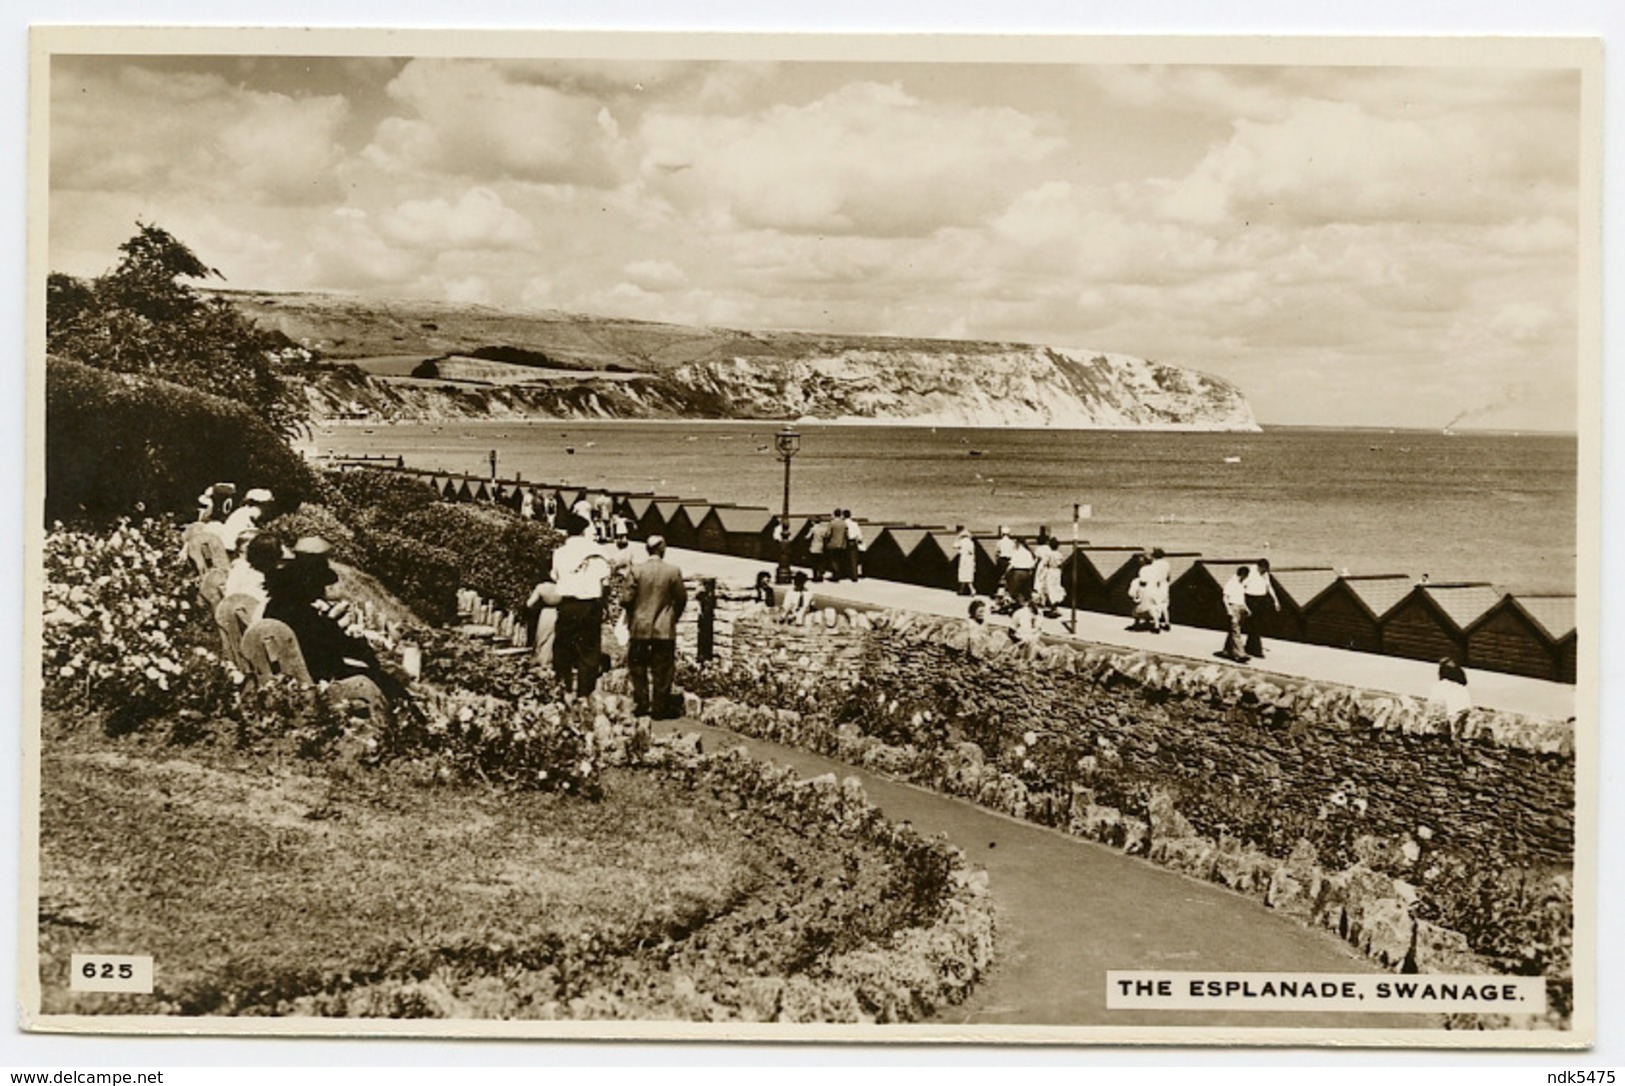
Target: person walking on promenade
x=1235, y=605
x=655, y=598
x=818, y=547
x=854, y=547
x=579, y=569
x=1002, y=550
x=550, y=508
x=837, y=544
x=1144, y=612
x=1262, y=607
x=965, y=562
x=1019, y=579
x=1157, y=577
x=1047, y=577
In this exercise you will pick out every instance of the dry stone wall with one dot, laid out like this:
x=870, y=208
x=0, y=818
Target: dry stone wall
x=1431, y=845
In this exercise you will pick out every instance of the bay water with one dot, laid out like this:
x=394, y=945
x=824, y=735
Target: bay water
x=1472, y=506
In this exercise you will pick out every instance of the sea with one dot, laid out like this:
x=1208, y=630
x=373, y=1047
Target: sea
x=1468, y=506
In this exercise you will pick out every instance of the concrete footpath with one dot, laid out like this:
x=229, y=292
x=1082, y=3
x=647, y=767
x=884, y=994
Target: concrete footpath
x=1391, y=674
x=1069, y=910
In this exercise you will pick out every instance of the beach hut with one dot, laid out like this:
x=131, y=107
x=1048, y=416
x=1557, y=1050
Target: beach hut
x=1086, y=574
x=987, y=562
x=1196, y=597
x=743, y=532
x=1347, y=615
x=1526, y=635
x=1297, y=587
x=1116, y=600
x=464, y=492
x=654, y=518
x=933, y=562
x=888, y=553
x=1431, y=621
x=684, y=521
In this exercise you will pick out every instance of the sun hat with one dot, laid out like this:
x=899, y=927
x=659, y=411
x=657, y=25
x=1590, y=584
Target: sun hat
x=258, y=495
x=310, y=553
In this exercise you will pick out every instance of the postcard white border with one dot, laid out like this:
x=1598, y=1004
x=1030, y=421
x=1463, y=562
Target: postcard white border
x=1539, y=52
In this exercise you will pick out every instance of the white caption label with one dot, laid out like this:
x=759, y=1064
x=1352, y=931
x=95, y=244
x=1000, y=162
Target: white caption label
x=111, y=973
x=1408, y=993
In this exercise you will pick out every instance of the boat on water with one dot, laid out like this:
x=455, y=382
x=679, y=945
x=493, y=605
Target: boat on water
x=1232, y=460
x=974, y=452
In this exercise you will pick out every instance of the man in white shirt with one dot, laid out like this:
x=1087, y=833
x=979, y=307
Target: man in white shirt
x=1262, y=606
x=579, y=569
x=854, y=547
x=1235, y=605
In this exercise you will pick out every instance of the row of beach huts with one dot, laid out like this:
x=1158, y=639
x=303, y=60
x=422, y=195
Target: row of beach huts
x=1390, y=613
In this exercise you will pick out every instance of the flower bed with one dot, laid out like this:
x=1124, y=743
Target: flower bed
x=1429, y=851
x=861, y=920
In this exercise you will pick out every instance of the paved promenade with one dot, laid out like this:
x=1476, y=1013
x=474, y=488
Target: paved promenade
x=1490, y=689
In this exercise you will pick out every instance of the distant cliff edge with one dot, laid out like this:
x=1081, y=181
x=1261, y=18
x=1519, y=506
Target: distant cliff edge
x=430, y=361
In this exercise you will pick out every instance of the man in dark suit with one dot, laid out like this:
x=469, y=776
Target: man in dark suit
x=655, y=598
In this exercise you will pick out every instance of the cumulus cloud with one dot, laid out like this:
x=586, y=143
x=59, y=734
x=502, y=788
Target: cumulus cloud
x=1328, y=161
x=478, y=219
x=127, y=128
x=476, y=119
x=286, y=148
x=867, y=158
x=347, y=253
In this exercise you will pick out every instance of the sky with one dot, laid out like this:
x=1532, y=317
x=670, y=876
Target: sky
x=1349, y=245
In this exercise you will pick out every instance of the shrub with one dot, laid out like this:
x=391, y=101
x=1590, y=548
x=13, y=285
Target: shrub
x=115, y=440
x=424, y=576
x=364, y=495
x=141, y=318
x=493, y=551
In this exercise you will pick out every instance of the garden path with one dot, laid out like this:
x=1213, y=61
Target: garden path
x=1070, y=909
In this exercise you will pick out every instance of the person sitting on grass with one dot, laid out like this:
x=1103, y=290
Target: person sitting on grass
x=330, y=639
x=246, y=517
x=261, y=553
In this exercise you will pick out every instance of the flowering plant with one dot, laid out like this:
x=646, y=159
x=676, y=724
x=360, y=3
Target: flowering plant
x=124, y=631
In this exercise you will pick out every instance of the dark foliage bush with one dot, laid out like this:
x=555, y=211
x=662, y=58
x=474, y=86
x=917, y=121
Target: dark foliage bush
x=143, y=318
x=495, y=553
x=424, y=576
x=113, y=440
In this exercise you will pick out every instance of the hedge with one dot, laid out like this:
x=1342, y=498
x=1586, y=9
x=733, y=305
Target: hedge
x=496, y=553
x=114, y=440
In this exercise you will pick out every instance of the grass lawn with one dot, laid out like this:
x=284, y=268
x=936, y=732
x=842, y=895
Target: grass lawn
x=260, y=884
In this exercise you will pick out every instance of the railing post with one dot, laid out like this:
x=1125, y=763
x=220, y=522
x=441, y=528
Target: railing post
x=708, y=619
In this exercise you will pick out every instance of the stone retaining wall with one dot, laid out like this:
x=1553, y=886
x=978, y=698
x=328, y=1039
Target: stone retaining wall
x=1430, y=845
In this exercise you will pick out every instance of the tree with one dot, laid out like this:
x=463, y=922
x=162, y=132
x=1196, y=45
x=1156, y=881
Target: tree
x=144, y=317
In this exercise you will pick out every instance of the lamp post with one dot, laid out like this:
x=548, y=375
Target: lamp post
x=787, y=442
